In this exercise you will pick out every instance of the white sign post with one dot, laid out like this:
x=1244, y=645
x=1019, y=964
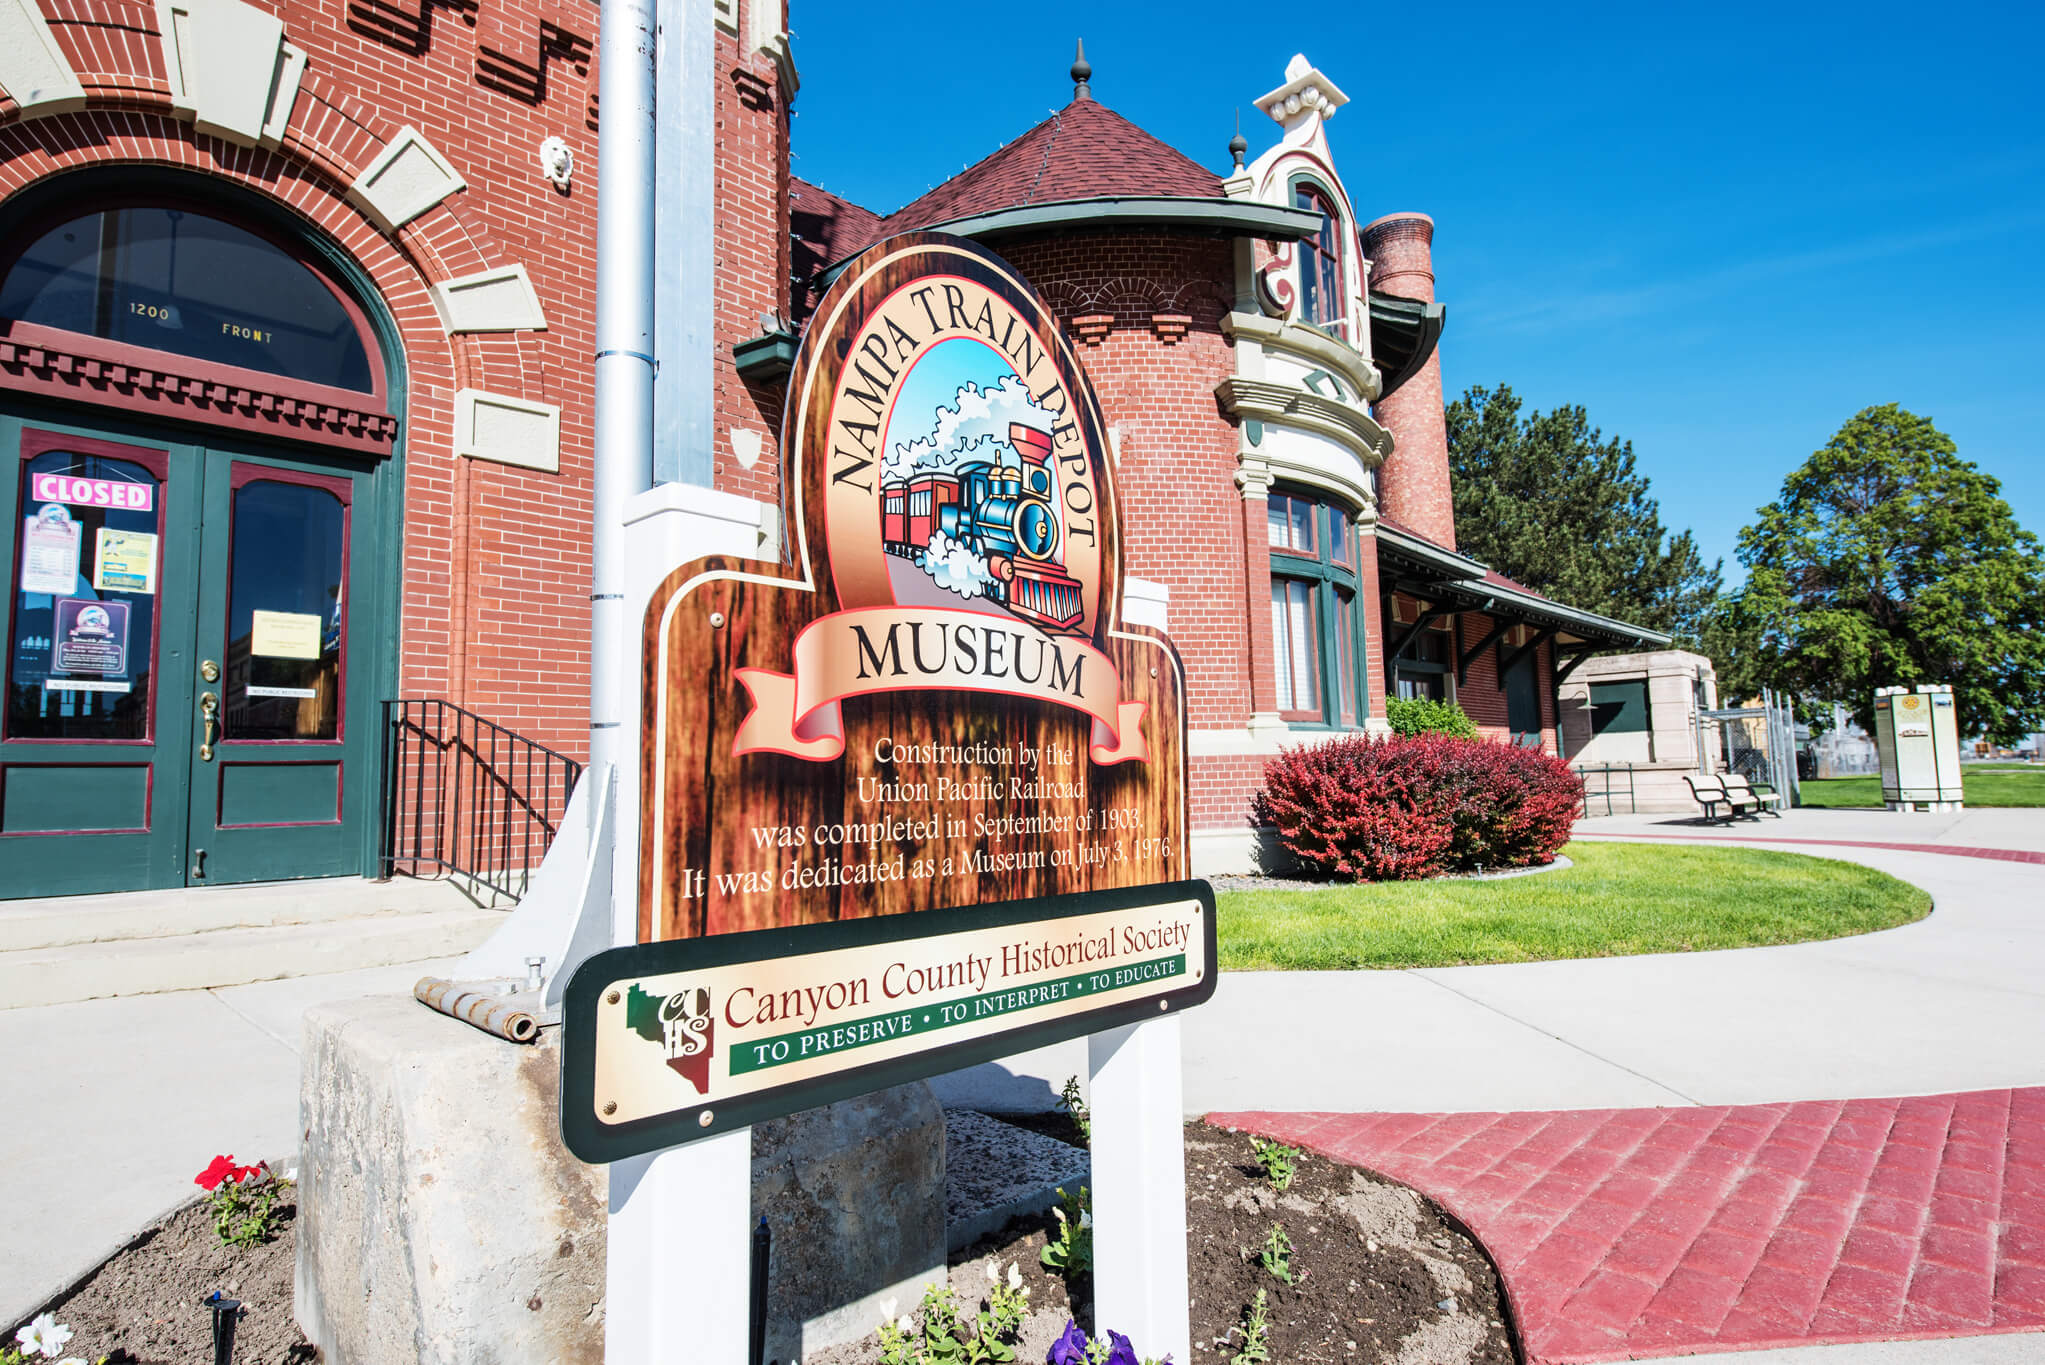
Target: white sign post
x=678, y=1283
x=1139, y=1187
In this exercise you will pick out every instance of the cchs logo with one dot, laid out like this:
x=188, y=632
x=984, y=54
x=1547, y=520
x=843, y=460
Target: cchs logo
x=682, y=1025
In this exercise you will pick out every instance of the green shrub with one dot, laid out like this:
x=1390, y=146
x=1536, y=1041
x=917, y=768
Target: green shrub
x=1426, y=716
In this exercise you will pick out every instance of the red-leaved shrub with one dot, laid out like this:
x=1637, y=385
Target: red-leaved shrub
x=1392, y=807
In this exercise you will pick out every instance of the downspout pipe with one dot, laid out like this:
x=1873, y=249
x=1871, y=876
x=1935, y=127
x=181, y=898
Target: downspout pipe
x=624, y=357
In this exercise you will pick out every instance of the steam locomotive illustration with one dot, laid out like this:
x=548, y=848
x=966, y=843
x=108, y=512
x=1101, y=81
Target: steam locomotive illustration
x=1001, y=512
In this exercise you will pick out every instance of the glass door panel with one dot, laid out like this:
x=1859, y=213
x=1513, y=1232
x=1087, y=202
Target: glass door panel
x=280, y=791
x=101, y=574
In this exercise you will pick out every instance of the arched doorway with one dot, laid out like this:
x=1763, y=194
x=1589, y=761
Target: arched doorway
x=198, y=499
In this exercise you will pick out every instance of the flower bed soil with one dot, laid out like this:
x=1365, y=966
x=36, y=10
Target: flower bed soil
x=146, y=1305
x=1383, y=1276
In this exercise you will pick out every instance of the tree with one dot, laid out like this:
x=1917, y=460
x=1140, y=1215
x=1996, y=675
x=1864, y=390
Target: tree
x=1888, y=560
x=1549, y=501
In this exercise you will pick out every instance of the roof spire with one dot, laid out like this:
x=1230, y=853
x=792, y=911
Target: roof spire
x=1238, y=146
x=1081, y=73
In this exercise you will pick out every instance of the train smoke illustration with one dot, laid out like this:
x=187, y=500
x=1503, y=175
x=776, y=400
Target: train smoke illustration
x=982, y=418
x=956, y=568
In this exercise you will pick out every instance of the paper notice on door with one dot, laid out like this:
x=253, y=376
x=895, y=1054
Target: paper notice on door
x=124, y=561
x=85, y=685
x=50, y=542
x=92, y=637
x=299, y=693
x=284, y=635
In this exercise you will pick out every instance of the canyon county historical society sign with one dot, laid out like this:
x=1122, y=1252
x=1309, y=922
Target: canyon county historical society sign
x=931, y=714
x=678, y=1040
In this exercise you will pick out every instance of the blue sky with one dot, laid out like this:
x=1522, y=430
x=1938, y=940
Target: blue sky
x=1722, y=230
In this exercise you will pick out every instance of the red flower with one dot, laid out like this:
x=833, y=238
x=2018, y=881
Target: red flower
x=222, y=1168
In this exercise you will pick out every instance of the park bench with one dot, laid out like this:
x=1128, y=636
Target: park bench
x=1743, y=793
x=1710, y=793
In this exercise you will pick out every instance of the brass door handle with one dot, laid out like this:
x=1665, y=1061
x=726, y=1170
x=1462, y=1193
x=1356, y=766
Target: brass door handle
x=209, y=711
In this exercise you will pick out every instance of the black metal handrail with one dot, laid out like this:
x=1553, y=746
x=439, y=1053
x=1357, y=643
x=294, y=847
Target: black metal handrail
x=1607, y=791
x=468, y=799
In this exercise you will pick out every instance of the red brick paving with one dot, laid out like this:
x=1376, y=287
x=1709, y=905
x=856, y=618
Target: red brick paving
x=2005, y=855
x=1630, y=1233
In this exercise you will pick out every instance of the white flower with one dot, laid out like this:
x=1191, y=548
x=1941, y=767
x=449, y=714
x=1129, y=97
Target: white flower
x=888, y=1307
x=1014, y=1276
x=903, y=1324
x=1086, y=1218
x=291, y=1174
x=45, y=1336
x=994, y=1272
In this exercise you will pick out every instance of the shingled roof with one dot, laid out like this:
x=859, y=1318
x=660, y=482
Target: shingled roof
x=1084, y=151
x=825, y=228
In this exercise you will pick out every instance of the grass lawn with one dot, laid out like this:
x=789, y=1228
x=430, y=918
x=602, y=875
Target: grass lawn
x=1988, y=785
x=1619, y=899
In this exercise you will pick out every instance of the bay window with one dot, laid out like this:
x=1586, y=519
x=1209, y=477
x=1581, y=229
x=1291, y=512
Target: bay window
x=1316, y=634
x=1322, y=298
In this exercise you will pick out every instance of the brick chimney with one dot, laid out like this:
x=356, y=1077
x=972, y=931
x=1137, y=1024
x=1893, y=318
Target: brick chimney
x=1413, y=485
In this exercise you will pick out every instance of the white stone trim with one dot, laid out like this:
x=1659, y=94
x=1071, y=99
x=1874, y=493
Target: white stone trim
x=408, y=177
x=1253, y=741
x=229, y=69
x=499, y=300
x=1306, y=92
x=1222, y=852
x=507, y=430
x=1257, y=471
x=283, y=94
x=33, y=69
x=1349, y=364
x=766, y=33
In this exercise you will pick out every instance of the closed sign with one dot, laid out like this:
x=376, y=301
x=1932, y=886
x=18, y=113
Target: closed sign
x=134, y=497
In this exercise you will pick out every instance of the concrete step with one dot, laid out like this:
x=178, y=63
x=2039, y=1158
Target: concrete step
x=53, y=921
x=235, y=956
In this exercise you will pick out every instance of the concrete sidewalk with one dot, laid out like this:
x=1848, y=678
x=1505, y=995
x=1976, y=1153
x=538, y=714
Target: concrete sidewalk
x=1993, y=828
x=119, y=1103
x=1953, y=1002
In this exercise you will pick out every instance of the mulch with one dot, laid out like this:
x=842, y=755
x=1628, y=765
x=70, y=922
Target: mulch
x=1381, y=1276
x=146, y=1305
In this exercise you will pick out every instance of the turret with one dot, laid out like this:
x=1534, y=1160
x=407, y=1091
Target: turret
x=1413, y=484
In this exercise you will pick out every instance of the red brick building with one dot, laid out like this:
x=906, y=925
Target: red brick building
x=1267, y=364
x=296, y=318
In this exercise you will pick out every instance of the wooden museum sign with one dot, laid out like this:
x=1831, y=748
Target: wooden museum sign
x=915, y=799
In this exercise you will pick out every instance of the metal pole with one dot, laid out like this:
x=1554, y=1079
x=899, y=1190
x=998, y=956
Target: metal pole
x=624, y=352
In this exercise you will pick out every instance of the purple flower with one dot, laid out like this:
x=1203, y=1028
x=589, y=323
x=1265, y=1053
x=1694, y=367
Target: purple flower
x=1123, y=1353
x=1070, y=1348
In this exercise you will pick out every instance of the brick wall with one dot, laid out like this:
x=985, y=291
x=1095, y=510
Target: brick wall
x=495, y=565
x=1182, y=515
x=495, y=561
x=1220, y=789
x=751, y=253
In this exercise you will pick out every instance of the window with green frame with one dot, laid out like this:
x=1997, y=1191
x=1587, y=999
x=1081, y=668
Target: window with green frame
x=1316, y=633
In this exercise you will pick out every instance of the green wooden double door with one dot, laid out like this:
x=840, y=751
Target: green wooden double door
x=193, y=659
